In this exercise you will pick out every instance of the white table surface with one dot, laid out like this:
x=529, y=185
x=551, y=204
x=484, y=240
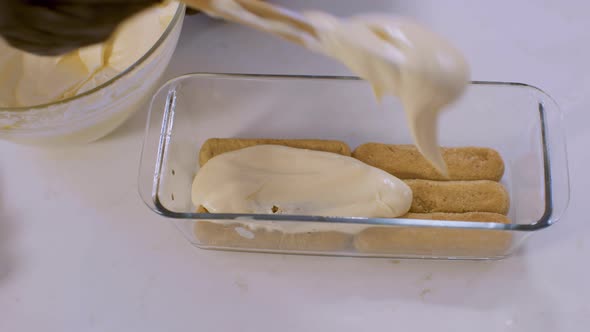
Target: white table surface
x=79, y=251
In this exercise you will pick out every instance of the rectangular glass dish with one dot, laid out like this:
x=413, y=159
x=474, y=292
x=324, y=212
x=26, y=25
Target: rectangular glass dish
x=521, y=122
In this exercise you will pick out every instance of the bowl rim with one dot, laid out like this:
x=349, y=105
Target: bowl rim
x=175, y=19
x=548, y=218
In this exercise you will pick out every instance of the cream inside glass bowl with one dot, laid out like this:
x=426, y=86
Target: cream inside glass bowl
x=83, y=96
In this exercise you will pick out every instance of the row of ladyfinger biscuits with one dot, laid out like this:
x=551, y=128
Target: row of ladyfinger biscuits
x=477, y=169
x=473, y=172
x=471, y=187
x=403, y=161
x=371, y=240
x=472, y=194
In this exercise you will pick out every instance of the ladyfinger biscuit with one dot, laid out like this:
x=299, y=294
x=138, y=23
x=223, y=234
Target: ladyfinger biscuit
x=441, y=242
x=458, y=196
x=242, y=236
x=406, y=162
x=216, y=146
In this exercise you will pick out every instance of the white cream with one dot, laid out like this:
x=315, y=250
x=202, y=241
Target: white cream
x=270, y=179
x=397, y=56
x=28, y=80
x=401, y=58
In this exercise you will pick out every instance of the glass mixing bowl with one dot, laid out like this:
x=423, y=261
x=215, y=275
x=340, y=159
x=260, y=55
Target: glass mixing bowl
x=95, y=113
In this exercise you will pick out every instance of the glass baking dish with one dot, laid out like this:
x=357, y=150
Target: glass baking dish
x=520, y=121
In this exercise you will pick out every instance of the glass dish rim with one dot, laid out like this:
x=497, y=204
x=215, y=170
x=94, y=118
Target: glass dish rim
x=544, y=222
x=175, y=19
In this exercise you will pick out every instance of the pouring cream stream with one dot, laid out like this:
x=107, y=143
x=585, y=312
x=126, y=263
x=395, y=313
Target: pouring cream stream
x=397, y=56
